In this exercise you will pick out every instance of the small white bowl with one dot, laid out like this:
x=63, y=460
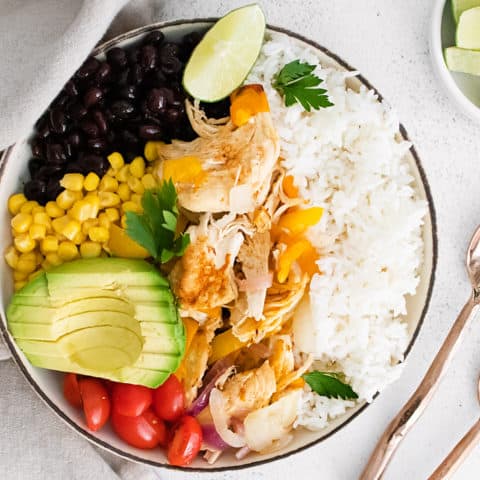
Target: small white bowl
x=462, y=88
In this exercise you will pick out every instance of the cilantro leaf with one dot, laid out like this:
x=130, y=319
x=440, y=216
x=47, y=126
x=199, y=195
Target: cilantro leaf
x=329, y=385
x=155, y=228
x=296, y=82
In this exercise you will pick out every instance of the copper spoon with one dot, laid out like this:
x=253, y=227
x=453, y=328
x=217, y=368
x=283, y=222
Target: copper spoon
x=413, y=409
x=455, y=458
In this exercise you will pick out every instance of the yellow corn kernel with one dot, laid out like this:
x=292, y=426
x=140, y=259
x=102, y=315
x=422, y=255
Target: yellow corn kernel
x=103, y=220
x=15, y=202
x=53, y=210
x=122, y=174
x=34, y=275
x=46, y=265
x=53, y=259
x=21, y=222
x=37, y=231
x=18, y=275
x=88, y=224
x=111, y=172
x=137, y=167
x=131, y=207
x=38, y=257
x=58, y=224
x=108, y=199
x=90, y=249
x=79, y=238
x=136, y=198
x=91, y=182
x=123, y=221
x=98, y=234
x=11, y=257
x=67, y=251
x=71, y=229
x=151, y=152
x=38, y=209
x=124, y=192
x=67, y=198
x=112, y=214
x=73, y=181
x=26, y=265
x=19, y=285
x=148, y=181
x=108, y=184
x=27, y=207
x=23, y=243
x=86, y=208
x=49, y=244
x=41, y=218
x=135, y=185
x=116, y=160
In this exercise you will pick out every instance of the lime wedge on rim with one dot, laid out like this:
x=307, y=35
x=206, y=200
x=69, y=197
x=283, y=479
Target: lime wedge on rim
x=468, y=29
x=462, y=60
x=459, y=6
x=226, y=54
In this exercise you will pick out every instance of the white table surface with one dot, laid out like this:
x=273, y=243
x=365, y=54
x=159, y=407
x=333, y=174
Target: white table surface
x=387, y=40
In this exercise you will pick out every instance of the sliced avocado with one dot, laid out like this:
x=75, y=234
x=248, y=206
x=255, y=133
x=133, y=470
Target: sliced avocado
x=113, y=318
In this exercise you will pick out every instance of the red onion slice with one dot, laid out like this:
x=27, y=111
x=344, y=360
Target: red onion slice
x=212, y=438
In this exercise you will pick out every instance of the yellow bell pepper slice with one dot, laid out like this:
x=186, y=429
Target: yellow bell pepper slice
x=246, y=102
x=121, y=245
x=224, y=344
x=290, y=255
x=298, y=221
x=184, y=170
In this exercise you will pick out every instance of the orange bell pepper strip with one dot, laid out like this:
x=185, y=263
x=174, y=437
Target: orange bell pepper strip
x=184, y=170
x=298, y=221
x=247, y=101
x=289, y=256
x=291, y=191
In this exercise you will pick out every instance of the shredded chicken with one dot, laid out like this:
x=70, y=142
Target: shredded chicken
x=238, y=162
x=248, y=391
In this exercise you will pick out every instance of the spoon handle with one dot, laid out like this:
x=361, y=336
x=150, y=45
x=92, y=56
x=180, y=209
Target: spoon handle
x=455, y=458
x=413, y=409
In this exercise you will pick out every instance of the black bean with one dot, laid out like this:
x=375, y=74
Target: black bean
x=53, y=189
x=47, y=172
x=94, y=163
x=128, y=92
x=150, y=132
x=172, y=115
x=90, y=128
x=117, y=57
x=73, y=167
x=97, y=144
x=75, y=138
x=148, y=57
x=133, y=55
x=171, y=65
x=43, y=131
x=57, y=121
x=169, y=50
x=122, y=109
x=157, y=99
x=68, y=149
x=152, y=118
x=156, y=37
x=103, y=73
x=34, y=165
x=135, y=76
x=92, y=96
x=77, y=111
x=89, y=67
x=128, y=137
x=56, y=154
x=100, y=120
x=35, y=190
x=60, y=100
x=122, y=77
x=71, y=88
x=37, y=148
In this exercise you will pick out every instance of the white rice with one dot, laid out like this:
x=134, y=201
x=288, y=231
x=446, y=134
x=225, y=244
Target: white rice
x=347, y=159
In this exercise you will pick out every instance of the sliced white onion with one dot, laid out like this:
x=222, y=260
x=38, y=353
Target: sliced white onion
x=221, y=420
x=242, y=453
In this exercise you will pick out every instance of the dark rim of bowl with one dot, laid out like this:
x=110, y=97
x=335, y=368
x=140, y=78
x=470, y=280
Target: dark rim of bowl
x=143, y=30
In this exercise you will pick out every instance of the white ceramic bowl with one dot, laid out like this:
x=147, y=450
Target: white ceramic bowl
x=48, y=383
x=462, y=88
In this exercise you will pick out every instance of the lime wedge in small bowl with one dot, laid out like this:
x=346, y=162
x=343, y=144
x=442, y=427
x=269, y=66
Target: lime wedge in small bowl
x=459, y=6
x=468, y=29
x=226, y=54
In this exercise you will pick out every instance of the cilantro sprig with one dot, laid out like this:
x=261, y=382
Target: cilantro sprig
x=328, y=384
x=155, y=228
x=296, y=82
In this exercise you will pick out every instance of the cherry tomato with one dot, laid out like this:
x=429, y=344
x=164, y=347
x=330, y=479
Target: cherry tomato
x=71, y=390
x=169, y=399
x=186, y=442
x=131, y=400
x=96, y=404
x=145, y=431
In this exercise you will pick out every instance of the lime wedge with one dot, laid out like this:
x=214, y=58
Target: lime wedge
x=468, y=29
x=459, y=6
x=222, y=60
x=461, y=60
